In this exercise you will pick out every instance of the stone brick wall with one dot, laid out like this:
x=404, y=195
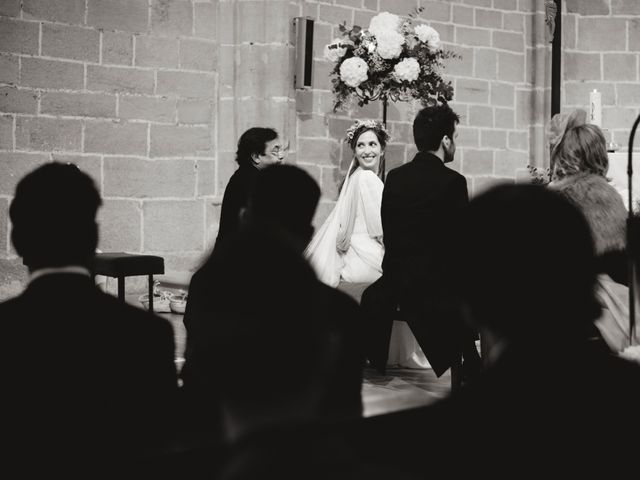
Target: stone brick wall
x=602, y=51
x=127, y=90
x=501, y=84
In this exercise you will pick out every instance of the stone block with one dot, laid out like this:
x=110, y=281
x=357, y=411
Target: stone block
x=89, y=164
x=625, y=7
x=13, y=277
x=195, y=111
x=321, y=74
x=137, y=178
x=515, y=22
x=10, y=8
x=205, y=20
x=519, y=141
x=78, y=104
x=627, y=94
x=436, y=10
x=504, y=118
x=68, y=11
x=173, y=18
x=395, y=155
x=475, y=37
x=505, y=4
x=446, y=32
x=67, y=41
x=530, y=5
x=477, y=162
x=488, y=18
x=13, y=100
x=17, y=36
x=264, y=22
x=401, y=132
x=337, y=127
x=399, y=7
x=479, y=3
x=618, y=117
x=48, y=134
x=126, y=15
x=6, y=132
x=331, y=179
x=336, y=15
x=480, y=116
x=310, y=125
x=173, y=226
x=206, y=172
x=119, y=79
x=634, y=35
x=198, y=55
x=486, y=63
x=468, y=137
x=120, y=138
x=8, y=69
x=462, y=15
x=401, y=111
x=361, y=18
x=620, y=67
x=511, y=67
x=502, y=94
x=117, y=48
x=14, y=166
x=588, y=7
x=602, y=34
x=120, y=224
x=582, y=66
x=322, y=35
x=319, y=151
x=227, y=166
x=463, y=66
x=152, y=51
x=155, y=109
x=471, y=91
x=4, y=226
x=493, y=138
x=186, y=84
x=577, y=93
x=507, y=163
x=508, y=41
x=180, y=141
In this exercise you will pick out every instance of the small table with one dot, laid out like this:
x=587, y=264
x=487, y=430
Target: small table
x=121, y=265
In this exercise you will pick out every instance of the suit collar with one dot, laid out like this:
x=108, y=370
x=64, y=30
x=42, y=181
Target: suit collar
x=428, y=158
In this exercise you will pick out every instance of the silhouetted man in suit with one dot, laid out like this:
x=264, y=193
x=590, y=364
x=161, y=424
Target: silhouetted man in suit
x=251, y=280
x=89, y=382
x=420, y=204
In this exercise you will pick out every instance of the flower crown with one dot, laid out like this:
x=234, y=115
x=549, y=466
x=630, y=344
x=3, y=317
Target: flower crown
x=361, y=125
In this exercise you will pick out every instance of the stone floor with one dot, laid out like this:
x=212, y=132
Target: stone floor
x=399, y=389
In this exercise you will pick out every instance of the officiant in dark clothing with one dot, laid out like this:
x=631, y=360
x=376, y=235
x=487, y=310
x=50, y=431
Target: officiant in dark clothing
x=257, y=148
x=420, y=201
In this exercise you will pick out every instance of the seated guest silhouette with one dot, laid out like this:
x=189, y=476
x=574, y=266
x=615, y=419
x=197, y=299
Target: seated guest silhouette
x=89, y=381
x=257, y=148
x=553, y=397
x=280, y=211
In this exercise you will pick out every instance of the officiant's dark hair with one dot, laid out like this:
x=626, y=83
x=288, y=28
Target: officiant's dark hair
x=54, y=216
x=253, y=141
x=432, y=124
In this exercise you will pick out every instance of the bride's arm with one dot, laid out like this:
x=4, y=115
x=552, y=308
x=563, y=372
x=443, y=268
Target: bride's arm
x=347, y=216
x=371, y=194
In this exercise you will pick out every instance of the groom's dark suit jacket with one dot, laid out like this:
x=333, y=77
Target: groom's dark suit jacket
x=419, y=206
x=86, y=378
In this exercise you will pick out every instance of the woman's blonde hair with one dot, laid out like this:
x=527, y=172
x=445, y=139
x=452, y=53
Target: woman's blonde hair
x=582, y=149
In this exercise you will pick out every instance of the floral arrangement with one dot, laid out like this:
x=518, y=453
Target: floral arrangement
x=361, y=125
x=392, y=59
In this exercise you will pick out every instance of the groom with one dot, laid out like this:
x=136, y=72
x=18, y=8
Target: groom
x=420, y=203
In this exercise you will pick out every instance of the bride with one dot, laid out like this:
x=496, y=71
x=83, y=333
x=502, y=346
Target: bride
x=347, y=251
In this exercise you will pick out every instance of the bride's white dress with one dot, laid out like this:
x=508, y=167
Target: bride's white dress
x=348, y=248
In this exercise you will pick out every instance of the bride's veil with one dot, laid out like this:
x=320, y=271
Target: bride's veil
x=322, y=252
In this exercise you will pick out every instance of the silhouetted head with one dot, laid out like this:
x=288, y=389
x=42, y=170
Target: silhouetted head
x=582, y=149
x=260, y=147
x=54, y=217
x=285, y=197
x=527, y=263
x=435, y=127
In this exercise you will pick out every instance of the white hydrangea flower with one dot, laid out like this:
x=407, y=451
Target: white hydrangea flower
x=407, y=70
x=384, y=22
x=428, y=35
x=390, y=44
x=335, y=50
x=353, y=71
